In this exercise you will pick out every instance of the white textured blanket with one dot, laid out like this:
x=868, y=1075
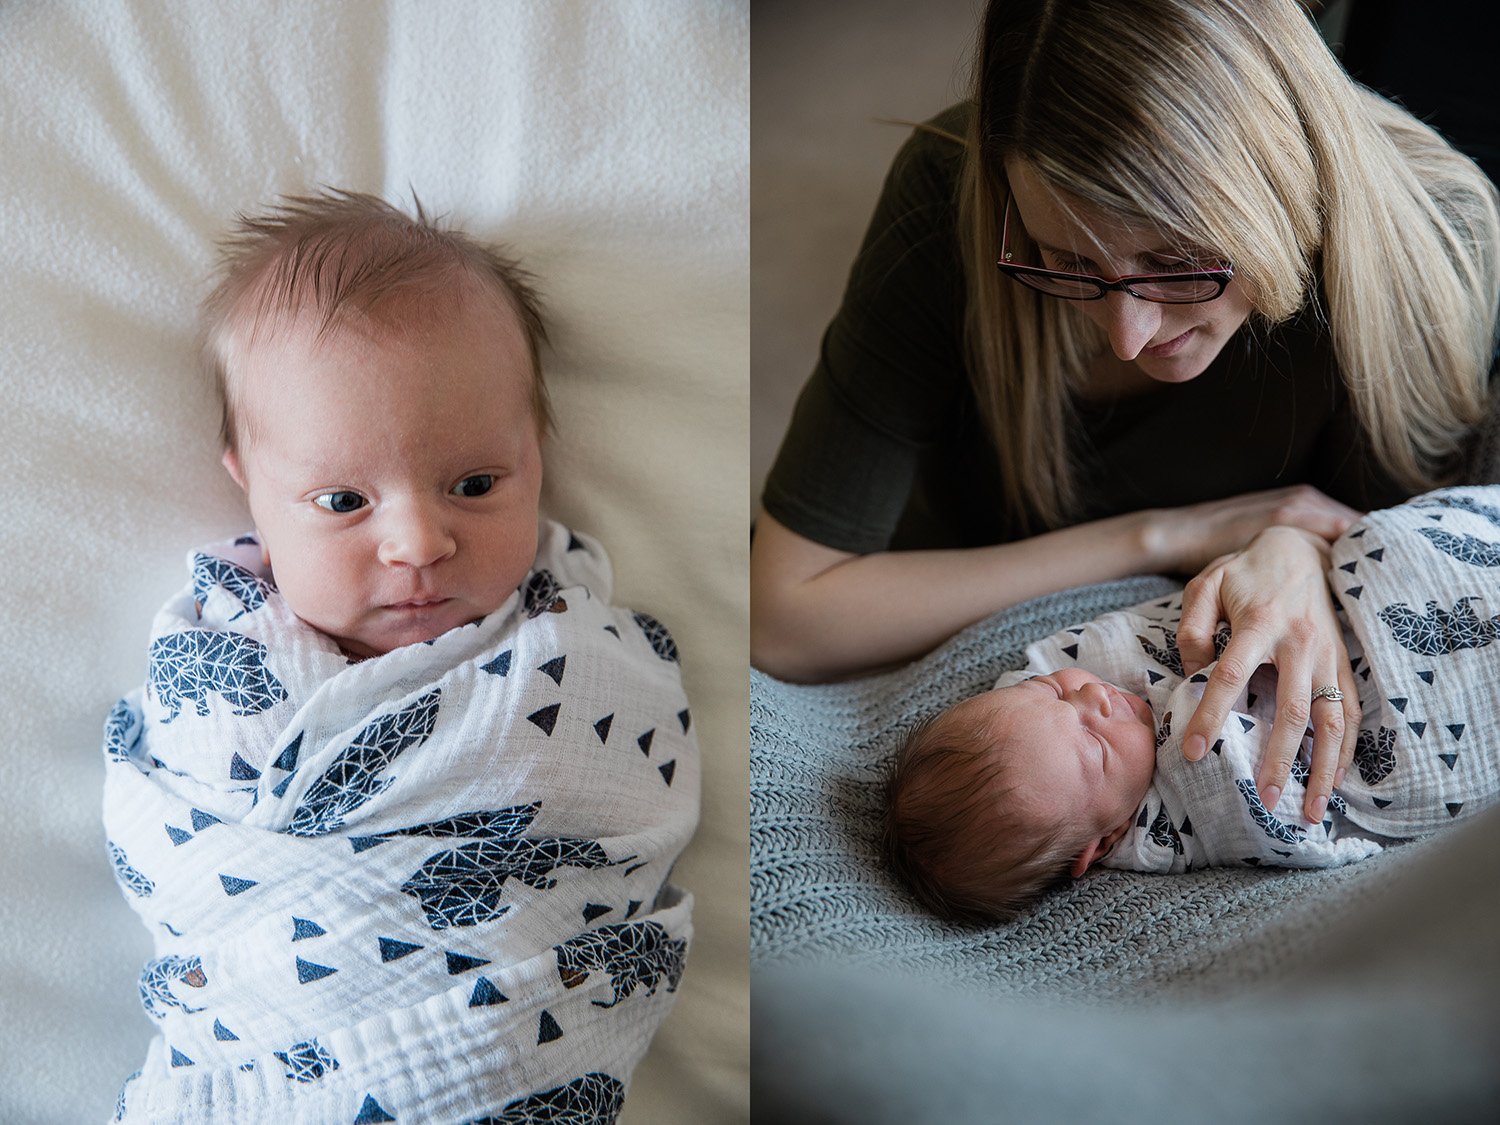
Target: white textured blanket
x=427, y=886
x=1429, y=742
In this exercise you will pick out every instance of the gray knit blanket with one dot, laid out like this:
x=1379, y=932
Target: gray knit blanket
x=819, y=757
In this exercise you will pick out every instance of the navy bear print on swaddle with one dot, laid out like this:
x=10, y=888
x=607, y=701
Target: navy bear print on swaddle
x=1418, y=588
x=358, y=872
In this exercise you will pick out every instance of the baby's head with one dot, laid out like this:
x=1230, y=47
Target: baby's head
x=383, y=411
x=1009, y=792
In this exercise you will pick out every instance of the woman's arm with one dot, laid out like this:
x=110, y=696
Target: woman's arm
x=817, y=613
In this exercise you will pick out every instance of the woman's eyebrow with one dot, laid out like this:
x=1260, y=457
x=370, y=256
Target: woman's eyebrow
x=1151, y=252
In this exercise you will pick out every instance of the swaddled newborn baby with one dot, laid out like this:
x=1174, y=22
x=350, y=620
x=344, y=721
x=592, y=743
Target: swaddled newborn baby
x=1073, y=761
x=402, y=793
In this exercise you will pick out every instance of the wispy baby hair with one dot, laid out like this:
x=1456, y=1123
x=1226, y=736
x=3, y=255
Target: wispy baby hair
x=341, y=254
x=954, y=833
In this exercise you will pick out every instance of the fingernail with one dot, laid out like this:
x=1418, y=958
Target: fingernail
x=1194, y=748
x=1319, y=804
x=1338, y=778
x=1271, y=796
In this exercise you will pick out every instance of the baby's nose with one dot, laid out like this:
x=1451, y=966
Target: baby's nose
x=1097, y=696
x=416, y=539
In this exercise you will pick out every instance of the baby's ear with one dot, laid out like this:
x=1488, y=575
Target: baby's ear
x=231, y=463
x=1097, y=850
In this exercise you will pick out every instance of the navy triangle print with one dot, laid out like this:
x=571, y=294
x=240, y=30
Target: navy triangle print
x=547, y=1029
x=223, y=1033
x=485, y=994
x=1071, y=651
x=179, y=1059
x=202, y=820
x=554, y=669
x=236, y=886
x=1453, y=807
x=592, y=910
x=178, y=835
x=1418, y=729
x=282, y=786
x=288, y=757
x=1456, y=730
x=500, y=666
x=573, y=543
x=364, y=843
x=241, y=770
x=302, y=929
x=601, y=728
x=372, y=1113
x=612, y=629
x=1247, y=723
x=309, y=971
x=685, y=719
x=667, y=769
x=1355, y=591
x=1427, y=677
x=1380, y=803
x=1399, y=704
x=631, y=907
x=545, y=718
x=1449, y=760
x=644, y=741
x=462, y=962
x=1377, y=554
x=393, y=950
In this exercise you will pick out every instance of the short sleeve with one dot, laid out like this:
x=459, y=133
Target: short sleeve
x=890, y=380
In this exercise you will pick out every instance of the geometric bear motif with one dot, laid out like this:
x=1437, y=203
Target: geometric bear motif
x=1375, y=754
x=1464, y=548
x=191, y=663
x=156, y=983
x=632, y=953
x=131, y=879
x=122, y=732
x=307, y=1061
x=1268, y=823
x=656, y=633
x=244, y=585
x=594, y=1099
x=541, y=594
x=354, y=777
x=1440, y=631
x=461, y=886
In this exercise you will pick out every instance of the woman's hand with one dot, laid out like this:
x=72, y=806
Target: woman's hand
x=1276, y=600
x=1186, y=540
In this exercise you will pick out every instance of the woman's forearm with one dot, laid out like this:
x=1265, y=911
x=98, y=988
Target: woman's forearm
x=819, y=614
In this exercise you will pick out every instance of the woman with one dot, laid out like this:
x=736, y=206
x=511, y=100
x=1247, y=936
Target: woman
x=1169, y=292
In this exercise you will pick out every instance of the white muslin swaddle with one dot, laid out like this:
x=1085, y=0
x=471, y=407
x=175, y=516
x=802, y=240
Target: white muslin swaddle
x=427, y=886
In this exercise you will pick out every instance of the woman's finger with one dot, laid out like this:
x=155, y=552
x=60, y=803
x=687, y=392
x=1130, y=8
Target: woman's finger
x=1335, y=732
x=1294, y=671
x=1243, y=654
x=1329, y=723
x=1199, y=620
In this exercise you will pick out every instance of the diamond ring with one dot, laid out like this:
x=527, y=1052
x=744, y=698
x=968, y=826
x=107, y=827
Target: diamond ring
x=1328, y=692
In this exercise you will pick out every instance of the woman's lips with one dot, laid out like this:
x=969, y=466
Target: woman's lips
x=1170, y=347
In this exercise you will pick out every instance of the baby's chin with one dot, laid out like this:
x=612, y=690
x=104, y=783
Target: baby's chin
x=393, y=628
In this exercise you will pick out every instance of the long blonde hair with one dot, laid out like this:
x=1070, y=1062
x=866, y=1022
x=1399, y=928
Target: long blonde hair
x=1228, y=125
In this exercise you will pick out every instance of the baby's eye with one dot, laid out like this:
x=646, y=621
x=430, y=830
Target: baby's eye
x=340, y=502
x=477, y=485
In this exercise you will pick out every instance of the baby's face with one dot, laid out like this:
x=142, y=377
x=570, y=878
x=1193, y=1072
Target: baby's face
x=393, y=474
x=1082, y=750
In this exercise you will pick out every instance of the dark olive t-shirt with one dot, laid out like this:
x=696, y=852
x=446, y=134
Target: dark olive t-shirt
x=887, y=448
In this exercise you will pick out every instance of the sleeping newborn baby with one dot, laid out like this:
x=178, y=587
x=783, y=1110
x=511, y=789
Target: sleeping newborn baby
x=1073, y=761
x=400, y=797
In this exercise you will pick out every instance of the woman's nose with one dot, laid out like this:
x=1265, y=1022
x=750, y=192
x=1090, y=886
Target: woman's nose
x=1131, y=323
x=414, y=537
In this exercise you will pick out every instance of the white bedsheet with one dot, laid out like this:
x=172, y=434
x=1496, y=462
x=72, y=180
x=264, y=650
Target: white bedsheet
x=608, y=144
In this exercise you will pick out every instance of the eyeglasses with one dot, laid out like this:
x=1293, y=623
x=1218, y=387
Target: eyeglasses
x=1186, y=288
